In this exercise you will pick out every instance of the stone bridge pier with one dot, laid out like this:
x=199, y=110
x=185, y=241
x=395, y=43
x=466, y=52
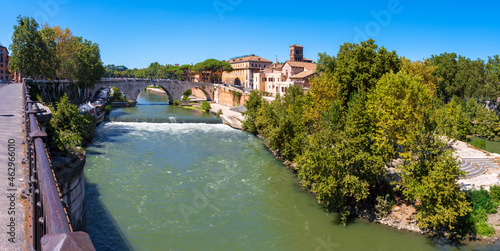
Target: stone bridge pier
x=131, y=87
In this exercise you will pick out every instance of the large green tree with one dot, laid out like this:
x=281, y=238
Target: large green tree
x=89, y=65
x=28, y=49
x=326, y=63
x=252, y=105
x=402, y=108
x=492, y=74
x=360, y=66
x=447, y=67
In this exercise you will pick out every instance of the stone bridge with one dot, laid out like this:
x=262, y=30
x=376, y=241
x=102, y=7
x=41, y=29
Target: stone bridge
x=132, y=87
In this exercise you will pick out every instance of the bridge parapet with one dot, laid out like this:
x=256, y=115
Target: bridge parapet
x=48, y=224
x=175, y=89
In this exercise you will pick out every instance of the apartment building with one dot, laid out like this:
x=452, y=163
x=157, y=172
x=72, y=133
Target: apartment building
x=4, y=64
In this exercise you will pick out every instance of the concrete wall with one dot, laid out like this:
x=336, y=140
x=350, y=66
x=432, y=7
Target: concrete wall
x=51, y=92
x=69, y=174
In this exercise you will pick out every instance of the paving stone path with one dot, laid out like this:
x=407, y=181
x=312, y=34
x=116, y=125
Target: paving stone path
x=474, y=167
x=12, y=210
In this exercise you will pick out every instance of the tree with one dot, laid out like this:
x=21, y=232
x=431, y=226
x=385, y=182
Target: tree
x=492, y=75
x=89, y=65
x=360, y=66
x=425, y=70
x=154, y=70
x=28, y=50
x=326, y=63
x=401, y=107
x=339, y=164
x=469, y=79
x=252, y=105
x=50, y=64
x=429, y=180
x=324, y=90
x=282, y=125
x=211, y=66
x=402, y=110
x=67, y=47
x=453, y=120
x=446, y=64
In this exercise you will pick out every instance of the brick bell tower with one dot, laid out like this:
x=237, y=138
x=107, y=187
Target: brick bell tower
x=296, y=53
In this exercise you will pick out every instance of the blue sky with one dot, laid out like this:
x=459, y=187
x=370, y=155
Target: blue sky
x=136, y=33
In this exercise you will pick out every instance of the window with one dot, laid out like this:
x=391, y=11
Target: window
x=282, y=89
x=1, y=65
x=1, y=71
x=277, y=89
x=1, y=59
x=263, y=79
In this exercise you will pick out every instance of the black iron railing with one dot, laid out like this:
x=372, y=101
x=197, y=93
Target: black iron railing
x=48, y=225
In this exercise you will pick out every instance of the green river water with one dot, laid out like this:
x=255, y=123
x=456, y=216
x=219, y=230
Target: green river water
x=153, y=184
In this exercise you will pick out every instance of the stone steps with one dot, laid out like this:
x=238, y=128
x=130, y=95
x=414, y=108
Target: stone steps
x=474, y=167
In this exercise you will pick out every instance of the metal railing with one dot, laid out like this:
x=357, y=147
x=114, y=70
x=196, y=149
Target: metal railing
x=48, y=225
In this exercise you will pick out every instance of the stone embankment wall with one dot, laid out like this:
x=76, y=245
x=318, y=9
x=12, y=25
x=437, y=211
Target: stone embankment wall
x=70, y=176
x=231, y=97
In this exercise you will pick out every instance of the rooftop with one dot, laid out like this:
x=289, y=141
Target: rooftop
x=296, y=45
x=307, y=66
x=304, y=74
x=250, y=58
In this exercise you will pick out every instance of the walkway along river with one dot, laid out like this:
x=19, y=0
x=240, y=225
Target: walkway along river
x=158, y=185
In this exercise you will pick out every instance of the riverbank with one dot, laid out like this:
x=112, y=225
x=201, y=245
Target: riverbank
x=401, y=216
x=232, y=118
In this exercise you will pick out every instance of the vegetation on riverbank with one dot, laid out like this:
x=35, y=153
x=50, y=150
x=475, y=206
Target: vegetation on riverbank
x=117, y=95
x=368, y=108
x=68, y=130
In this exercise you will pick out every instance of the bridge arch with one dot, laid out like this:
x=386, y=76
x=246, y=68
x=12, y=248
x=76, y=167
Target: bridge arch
x=204, y=91
x=132, y=88
x=168, y=94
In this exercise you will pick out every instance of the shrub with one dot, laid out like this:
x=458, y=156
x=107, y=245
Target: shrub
x=485, y=229
x=383, y=205
x=187, y=93
x=68, y=129
x=219, y=112
x=176, y=102
x=117, y=95
x=107, y=109
x=205, y=106
x=481, y=200
x=475, y=221
x=479, y=143
x=495, y=193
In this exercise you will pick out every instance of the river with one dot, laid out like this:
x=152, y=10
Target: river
x=153, y=184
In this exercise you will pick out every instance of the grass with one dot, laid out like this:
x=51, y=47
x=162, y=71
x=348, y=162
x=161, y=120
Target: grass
x=490, y=146
x=196, y=108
